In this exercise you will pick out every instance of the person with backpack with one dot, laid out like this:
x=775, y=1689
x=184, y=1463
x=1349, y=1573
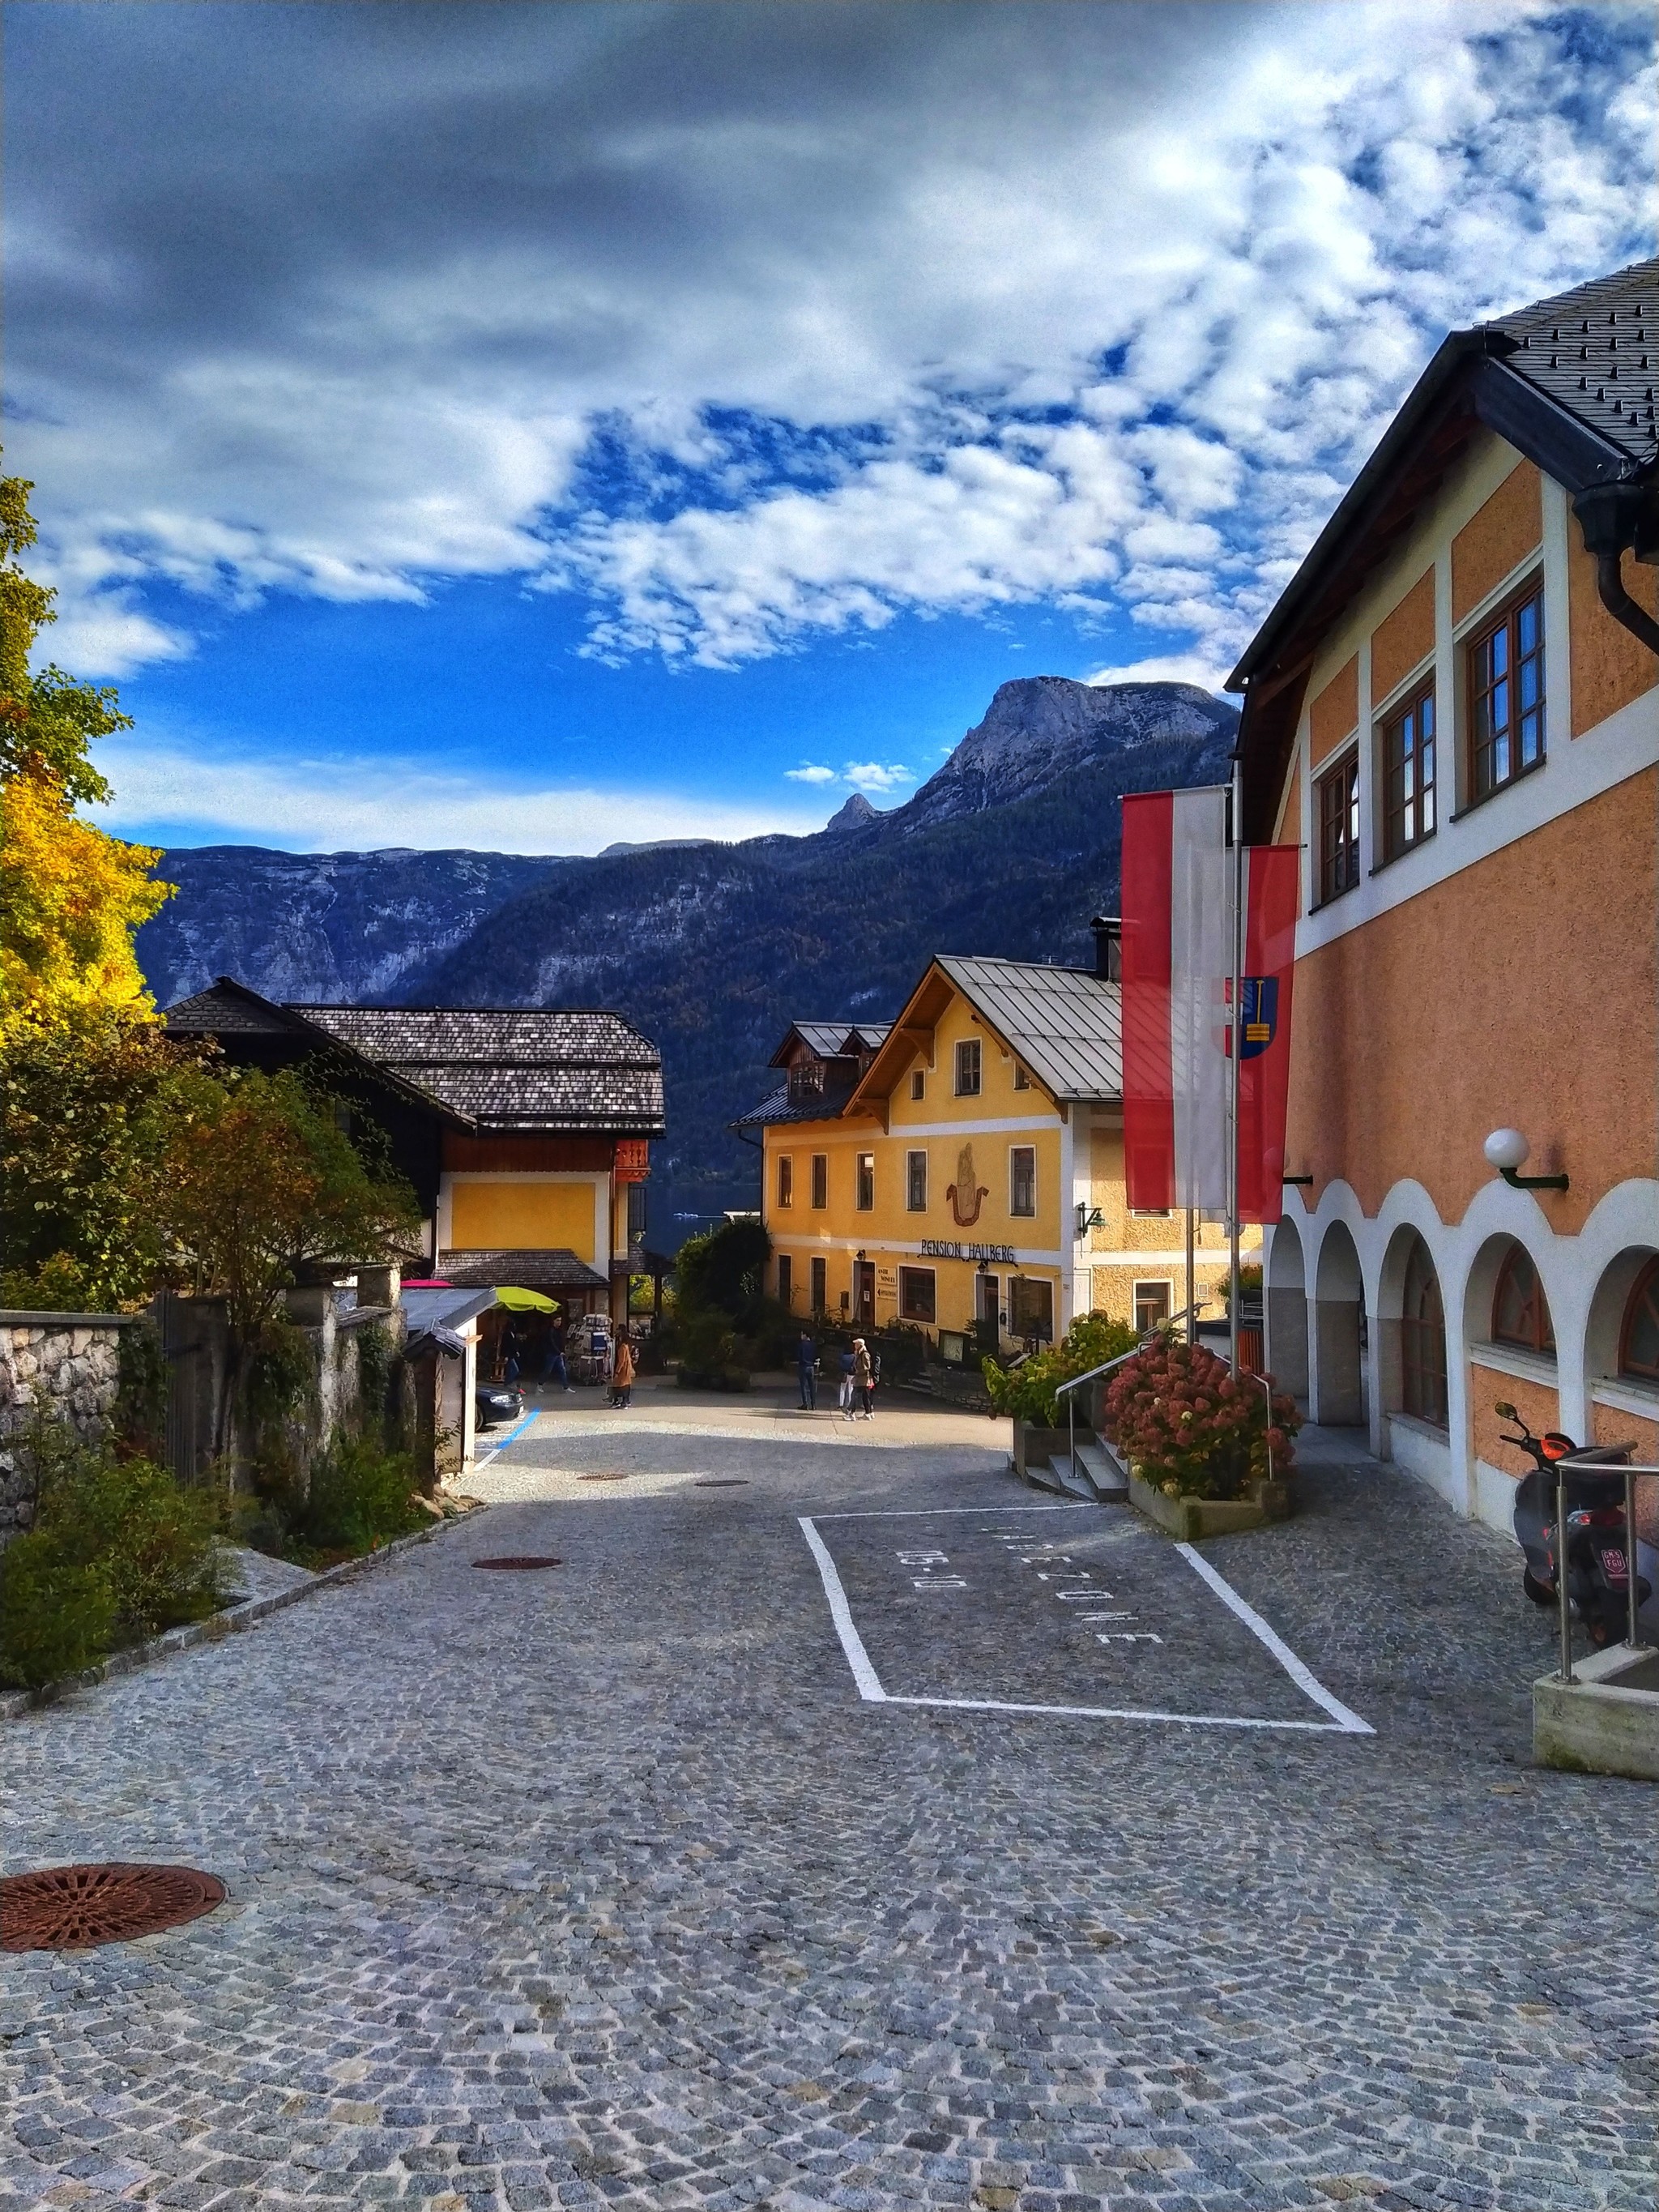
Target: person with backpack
x=846, y=1364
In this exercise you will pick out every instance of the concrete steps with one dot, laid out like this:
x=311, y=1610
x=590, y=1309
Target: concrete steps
x=1100, y=1468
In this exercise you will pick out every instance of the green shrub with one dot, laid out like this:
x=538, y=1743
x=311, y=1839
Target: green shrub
x=117, y=1553
x=1028, y=1391
x=712, y=1355
x=358, y=1498
x=141, y=1404
x=56, y=1618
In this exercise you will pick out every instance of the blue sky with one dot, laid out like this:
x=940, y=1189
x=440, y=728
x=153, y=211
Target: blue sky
x=529, y=427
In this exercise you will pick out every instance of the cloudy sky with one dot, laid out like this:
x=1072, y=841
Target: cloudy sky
x=526, y=426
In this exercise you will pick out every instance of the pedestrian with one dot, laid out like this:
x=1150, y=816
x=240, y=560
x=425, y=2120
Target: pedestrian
x=508, y=1349
x=622, y=1374
x=863, y=1379
x=844, y=1362
x=555, y=1370
x=806, y=1371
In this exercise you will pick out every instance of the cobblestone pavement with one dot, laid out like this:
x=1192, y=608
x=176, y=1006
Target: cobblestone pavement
x=604, y=1886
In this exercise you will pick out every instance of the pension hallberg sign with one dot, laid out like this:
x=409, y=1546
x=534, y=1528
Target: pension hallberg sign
x=937, y=1248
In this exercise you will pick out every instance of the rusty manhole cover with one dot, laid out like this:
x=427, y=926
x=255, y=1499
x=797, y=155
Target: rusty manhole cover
x=74, y=1908
x=609, y=1476
x=722, y=1482
x=525, y=1563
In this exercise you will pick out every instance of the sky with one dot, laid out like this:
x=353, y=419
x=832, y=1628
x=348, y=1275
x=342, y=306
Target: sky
x=529, y=427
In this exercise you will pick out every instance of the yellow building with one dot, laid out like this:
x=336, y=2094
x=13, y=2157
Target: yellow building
x=961, y=1169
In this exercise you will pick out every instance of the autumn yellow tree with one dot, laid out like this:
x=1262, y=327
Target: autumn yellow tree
x=70, y=896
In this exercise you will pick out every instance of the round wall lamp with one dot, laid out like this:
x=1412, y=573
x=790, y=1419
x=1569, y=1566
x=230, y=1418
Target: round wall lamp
x=1507, y=1150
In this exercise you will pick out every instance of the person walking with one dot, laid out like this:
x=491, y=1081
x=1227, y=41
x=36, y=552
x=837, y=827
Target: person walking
x=846, y=1364
x=806, y=1371
x=621, y=1373
x=508, y=1349
x=863, y=1379
x=555, y=1370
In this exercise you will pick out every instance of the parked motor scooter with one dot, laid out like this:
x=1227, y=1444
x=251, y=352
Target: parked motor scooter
x=1599, y=1552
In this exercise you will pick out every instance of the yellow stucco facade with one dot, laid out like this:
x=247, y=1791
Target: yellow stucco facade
x=955, y=1186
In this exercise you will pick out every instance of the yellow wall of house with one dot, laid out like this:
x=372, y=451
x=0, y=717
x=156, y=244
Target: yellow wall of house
x=522, y=1217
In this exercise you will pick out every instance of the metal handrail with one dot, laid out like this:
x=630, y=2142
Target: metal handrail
x=1564, y=1611
x=1105, y=1367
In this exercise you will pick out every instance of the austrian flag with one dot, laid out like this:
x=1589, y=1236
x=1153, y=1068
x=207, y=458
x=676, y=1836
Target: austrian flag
x=1177, y=1006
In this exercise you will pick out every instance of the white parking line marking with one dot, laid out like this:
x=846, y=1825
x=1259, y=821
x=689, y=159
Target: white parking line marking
x=1349, y=1722
x=1343, y=1722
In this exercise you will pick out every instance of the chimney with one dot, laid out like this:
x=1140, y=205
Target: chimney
x=1109, y=947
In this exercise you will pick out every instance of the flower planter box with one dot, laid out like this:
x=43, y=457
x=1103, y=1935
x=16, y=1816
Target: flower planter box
x=1036, y=1447
x=1189, y=1520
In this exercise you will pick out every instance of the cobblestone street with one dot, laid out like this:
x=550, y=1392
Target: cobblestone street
x=605, y=1886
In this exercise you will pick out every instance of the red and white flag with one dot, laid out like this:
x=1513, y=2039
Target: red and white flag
x=1178, y=963
x=1177, y=1006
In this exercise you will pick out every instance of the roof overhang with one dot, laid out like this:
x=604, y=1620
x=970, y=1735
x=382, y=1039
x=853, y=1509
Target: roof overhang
x=1467, y=387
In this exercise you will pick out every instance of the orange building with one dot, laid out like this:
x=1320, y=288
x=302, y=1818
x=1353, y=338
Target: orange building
x=1453, y=709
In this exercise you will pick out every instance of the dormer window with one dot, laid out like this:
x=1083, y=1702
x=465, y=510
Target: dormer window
x=805, y=1081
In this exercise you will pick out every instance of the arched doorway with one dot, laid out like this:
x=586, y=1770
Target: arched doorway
x=1411, y=1359
x=1336, y=1383
x=1286, y=1308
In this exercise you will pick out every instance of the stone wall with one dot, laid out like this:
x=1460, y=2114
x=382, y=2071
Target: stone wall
x=63, y=1366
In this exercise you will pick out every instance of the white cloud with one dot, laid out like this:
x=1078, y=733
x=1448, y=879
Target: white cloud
x=872, y=775
x=327, y=803
x=808, y=772
x=1166, y=668
x=1100, y=306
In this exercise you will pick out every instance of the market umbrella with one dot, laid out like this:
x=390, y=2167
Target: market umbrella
x=525, y=1301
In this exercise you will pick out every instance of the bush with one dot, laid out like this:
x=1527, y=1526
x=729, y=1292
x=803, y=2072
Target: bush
x=358, y=1498
x=1191, y=1429
x=1028, y=1391
x=117, y=1553
x=712, y=1355
x=56, y=1618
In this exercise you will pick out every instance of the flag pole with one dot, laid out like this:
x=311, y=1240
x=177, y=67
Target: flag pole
x=1235, y=1011
x=1192, y=1286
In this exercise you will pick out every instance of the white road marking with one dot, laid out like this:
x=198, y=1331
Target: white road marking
x=852, y=1642
x=1305, y=1681
x=1343, y=1722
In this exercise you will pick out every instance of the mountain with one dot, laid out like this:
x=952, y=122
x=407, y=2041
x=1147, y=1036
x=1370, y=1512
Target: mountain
x=712, y=949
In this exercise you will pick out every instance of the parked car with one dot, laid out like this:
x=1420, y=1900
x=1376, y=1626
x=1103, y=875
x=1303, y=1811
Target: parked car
x=497, y=1402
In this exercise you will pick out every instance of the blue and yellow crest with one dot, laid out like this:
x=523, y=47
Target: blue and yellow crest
x=1261, y=1012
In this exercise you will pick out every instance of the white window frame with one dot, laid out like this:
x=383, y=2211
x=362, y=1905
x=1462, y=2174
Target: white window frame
x=820, y=1160
x=966, y=1047
x=1164, y=1283
x=864, y=1163
x=918, y=1082
x=904, y=1275
x=785, y=1181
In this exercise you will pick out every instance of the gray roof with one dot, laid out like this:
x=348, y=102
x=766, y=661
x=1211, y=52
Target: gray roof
x=776, y=1106
x=555, y=1269
x=430, y=1310
x=1591, y=351
x=513, y=1068
x=1066, y=1024
x=835, y=1039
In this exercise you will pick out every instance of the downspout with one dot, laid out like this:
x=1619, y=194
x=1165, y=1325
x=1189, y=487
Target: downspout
x=1615, y=519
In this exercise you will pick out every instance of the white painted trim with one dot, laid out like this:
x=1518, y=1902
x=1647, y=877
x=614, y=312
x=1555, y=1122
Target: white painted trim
x=1014, y=1125
x=1511, y=1360
x=1382, y=710
x=1627, y=1396
x=1557, y=615
x=1025, y=1255
x=1531, y=564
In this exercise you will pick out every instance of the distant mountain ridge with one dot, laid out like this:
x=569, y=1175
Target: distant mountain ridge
x=713, y=948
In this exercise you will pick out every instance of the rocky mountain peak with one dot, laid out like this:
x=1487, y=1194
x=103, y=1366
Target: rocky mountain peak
x=1038, y=728
x=857, y=814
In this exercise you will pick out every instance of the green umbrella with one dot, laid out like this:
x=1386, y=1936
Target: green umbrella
x=525, y=1301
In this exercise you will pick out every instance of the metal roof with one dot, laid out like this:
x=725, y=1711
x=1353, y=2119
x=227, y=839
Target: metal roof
x=1066, y=1024
x=430, y=1310
x=776, y=1106
x=834, y=1040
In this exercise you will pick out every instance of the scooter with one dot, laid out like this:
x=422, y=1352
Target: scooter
x=1599, y=1552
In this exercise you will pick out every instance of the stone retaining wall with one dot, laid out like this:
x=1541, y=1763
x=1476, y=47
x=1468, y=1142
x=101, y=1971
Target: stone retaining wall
x=63, y=1366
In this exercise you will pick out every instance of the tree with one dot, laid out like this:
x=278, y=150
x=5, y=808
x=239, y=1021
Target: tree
x=724, y=1268
x=70, y=896
x=260, y=1180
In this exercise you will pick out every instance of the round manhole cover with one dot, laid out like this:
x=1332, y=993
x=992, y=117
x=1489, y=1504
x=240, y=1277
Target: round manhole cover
x=722, y=1482
x=525, y=1564
x=75, y=1908
x=610, y=1476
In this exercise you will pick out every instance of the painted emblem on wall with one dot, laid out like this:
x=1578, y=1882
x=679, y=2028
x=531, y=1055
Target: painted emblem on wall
x=965, y=1193
x=1260, y=1008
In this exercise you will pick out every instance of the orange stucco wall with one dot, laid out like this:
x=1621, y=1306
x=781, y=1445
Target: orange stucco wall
x=1539, y=1407
x=1609, y=667
x=1521, y=990
x=1494, y=540
x=1403, y=638
x=1335, y=712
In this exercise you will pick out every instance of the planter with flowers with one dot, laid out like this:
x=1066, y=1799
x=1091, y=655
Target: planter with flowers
x=1206, y=1454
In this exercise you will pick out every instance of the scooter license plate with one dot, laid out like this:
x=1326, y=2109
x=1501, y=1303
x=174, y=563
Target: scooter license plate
x=1613, y=1565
